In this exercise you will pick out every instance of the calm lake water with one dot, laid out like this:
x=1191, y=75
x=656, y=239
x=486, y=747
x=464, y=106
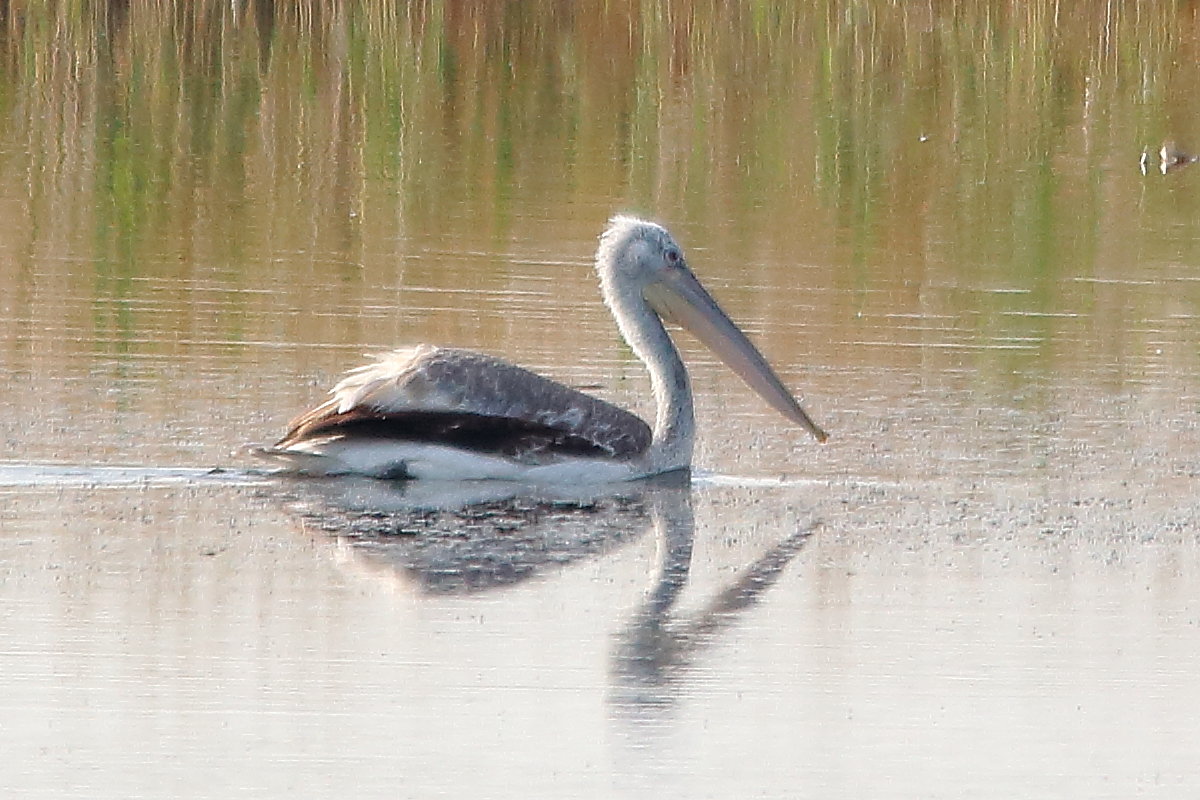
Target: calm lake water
x=948, y=226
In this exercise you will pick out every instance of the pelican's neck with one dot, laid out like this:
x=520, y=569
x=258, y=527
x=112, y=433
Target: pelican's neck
x=675, y=420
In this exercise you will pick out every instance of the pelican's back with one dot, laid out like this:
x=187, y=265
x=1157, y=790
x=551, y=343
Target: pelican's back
x=469, y=401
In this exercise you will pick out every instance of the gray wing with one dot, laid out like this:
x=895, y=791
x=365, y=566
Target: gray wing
x=470, y=400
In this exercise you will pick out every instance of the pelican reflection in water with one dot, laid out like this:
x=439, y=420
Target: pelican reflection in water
x=446, y=414
x=465, y=537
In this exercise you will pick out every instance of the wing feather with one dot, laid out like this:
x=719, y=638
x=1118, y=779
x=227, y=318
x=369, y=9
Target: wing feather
x=470, y=400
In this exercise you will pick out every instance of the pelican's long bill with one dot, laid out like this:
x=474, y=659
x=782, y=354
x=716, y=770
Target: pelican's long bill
x=679, y=298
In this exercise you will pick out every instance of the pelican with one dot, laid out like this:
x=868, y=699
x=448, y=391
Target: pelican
x=438, y=413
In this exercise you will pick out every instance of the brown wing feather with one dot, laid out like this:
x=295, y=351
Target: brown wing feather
x=470, y=400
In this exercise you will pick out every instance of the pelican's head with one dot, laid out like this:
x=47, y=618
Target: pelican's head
x=633, y=251
x=640, y=264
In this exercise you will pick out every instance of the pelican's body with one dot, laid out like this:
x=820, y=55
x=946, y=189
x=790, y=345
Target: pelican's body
x=445, y=414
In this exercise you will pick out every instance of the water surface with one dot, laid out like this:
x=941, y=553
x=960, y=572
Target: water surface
x=935, y=223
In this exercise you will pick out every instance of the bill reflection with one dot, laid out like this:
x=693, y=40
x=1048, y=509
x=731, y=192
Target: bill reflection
x=656, y=653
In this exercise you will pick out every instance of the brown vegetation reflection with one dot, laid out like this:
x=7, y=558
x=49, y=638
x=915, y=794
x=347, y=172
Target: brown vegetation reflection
x=217, y=175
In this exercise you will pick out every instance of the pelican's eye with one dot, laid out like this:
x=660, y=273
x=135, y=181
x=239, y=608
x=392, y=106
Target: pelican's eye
x=672, y=256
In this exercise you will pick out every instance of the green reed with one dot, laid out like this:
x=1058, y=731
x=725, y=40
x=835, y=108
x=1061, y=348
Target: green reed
x=993, y=138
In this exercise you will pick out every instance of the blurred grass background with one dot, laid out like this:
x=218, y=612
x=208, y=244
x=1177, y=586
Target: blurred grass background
x=928, y=159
